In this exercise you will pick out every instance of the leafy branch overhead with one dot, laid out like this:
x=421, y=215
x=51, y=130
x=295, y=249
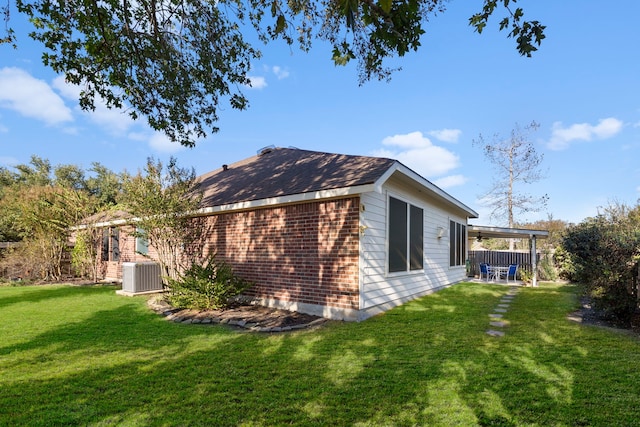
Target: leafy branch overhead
x=176, y=61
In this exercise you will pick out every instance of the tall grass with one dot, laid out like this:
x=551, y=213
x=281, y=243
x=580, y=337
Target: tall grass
x=84, y=356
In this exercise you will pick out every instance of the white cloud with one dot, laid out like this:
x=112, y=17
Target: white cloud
x=31, y=97
x=450, y=181
x=157, y=141
x=113, y=120
x=562, y=137
x=446, y=135
x=161, y=142
x=418, y=153
x=280, y=72
x=257, y=82
x=409, y=140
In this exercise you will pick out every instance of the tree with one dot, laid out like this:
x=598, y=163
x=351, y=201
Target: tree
x=70, y=176
x=516, y=162
x=174, y=61
x=43, y=216
x=161, y=200
x=105, y=184
x=37, y=172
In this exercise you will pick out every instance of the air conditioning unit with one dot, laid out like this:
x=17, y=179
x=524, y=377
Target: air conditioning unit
x=141, y=277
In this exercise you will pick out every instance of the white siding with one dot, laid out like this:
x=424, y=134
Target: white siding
x=380, y=290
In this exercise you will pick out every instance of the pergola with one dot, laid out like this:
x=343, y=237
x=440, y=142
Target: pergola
x=488, y=232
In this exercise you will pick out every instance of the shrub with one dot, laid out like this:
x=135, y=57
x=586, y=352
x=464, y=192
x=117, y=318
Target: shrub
x=547, y=268
x=204, y=287
x=603, y=252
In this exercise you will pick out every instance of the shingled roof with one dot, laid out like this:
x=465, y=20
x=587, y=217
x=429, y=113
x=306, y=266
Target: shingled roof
x=281, y=172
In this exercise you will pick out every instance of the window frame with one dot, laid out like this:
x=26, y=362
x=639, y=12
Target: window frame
x=457, y=244
x=142, y=244
x=114, y=244
x=408, y=219
x=110, y=246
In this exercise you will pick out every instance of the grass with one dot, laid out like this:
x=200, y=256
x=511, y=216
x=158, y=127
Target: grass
x=84, y=356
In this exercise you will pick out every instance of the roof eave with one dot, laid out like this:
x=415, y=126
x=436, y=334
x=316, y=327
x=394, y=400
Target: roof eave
x=428, y=185
x=334, y=193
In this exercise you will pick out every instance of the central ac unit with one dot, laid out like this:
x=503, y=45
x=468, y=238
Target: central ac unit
x=140, y=277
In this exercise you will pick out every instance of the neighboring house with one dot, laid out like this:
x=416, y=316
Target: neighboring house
x=344, y=237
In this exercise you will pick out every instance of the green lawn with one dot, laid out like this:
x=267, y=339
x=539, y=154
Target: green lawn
x=85, y=356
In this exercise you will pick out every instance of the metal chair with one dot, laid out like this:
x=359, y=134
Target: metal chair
x=484, y=269
x=513, y=269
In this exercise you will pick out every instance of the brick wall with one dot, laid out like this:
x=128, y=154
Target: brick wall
x=305, y=253
x=127, y=245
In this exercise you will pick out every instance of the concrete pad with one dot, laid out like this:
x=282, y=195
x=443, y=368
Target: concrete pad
x=498, y=324
x=495, y=333
x=500, y=310
x=497, y=316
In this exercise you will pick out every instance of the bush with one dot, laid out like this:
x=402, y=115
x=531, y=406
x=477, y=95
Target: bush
x=204, y=287
x=614, y=302
x=602, y=253
x=547, y=268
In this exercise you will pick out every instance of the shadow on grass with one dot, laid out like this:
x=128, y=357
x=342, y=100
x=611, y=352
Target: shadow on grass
x=428, y=362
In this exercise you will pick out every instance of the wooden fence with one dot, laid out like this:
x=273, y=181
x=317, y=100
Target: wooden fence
x=503, y=258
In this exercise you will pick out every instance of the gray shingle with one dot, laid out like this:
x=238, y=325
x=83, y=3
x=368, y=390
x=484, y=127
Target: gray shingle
x=286, y=171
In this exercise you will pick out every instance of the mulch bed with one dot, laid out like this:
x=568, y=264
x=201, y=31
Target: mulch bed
x=587, y=315
x=248, y=316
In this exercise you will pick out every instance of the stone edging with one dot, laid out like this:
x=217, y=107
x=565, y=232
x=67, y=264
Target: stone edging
x=188, y=316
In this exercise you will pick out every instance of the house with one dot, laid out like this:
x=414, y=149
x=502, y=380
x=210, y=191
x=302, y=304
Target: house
x=341, y=236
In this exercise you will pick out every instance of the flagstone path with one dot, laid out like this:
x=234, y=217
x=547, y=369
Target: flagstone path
x=495, y=318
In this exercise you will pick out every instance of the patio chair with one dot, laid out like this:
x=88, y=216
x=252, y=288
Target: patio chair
x=484, y=270
x=513, y=269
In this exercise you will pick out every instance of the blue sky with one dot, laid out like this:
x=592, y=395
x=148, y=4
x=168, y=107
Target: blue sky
x=583, y=88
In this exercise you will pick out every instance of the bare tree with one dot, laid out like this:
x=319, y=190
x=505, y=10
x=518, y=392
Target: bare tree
x=515, y=161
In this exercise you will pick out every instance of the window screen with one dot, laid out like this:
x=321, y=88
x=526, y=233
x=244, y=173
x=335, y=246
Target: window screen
x=406, y=236
x=397, y=235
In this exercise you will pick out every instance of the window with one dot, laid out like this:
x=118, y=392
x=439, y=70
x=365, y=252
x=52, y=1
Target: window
x=110, y=244
x=406, y=237
x=115, y=244
x=104, y=253
x=142, y=245
x=457, y=243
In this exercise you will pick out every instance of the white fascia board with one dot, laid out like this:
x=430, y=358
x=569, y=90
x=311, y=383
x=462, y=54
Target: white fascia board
x=289, y=199
x=113, y=223
x=254, y=204
x=437, y=191
x=385, y=176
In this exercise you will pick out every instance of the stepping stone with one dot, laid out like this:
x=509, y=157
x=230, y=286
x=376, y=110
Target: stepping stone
x=494, y=333
x=498, y=324
x=503, y=305
x=500, y=310
x=497, y=316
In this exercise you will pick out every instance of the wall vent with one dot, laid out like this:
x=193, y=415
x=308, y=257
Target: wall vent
x=140, y=277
